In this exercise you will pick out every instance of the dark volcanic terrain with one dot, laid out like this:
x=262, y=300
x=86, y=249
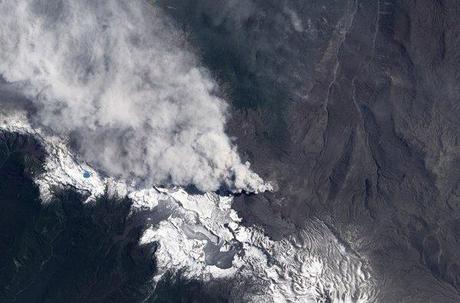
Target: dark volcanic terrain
x=69, y=251
x=352, y=108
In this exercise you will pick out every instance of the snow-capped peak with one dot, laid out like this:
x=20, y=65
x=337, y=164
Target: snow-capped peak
x=202, y=236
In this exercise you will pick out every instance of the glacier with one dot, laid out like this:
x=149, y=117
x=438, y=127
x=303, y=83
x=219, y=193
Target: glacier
x=201, y=236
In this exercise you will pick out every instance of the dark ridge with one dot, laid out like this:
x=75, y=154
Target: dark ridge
x=192, y=190
x=71, y=251
x=339, y=172
x=64, y=251
x=22, y=149
x=175, y=288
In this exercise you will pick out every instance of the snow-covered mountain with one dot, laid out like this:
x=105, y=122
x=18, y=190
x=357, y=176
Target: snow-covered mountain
x=201, y=236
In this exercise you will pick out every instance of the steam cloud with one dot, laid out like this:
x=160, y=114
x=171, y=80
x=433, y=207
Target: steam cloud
x=115, y=75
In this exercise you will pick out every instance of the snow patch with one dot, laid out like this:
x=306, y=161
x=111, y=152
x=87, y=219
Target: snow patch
x=198, y=231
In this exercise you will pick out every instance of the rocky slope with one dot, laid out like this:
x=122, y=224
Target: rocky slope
x=352, y=107
x=122, y=244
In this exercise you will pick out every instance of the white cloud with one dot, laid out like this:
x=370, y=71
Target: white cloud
x=117, y=77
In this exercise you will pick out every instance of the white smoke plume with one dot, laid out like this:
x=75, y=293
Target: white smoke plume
x=117, y=76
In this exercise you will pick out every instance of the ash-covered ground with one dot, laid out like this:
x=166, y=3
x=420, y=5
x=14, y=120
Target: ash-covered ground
x=353, y=108
x=350, y=108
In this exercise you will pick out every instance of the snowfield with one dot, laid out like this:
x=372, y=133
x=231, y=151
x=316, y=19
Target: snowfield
x=201, y=235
